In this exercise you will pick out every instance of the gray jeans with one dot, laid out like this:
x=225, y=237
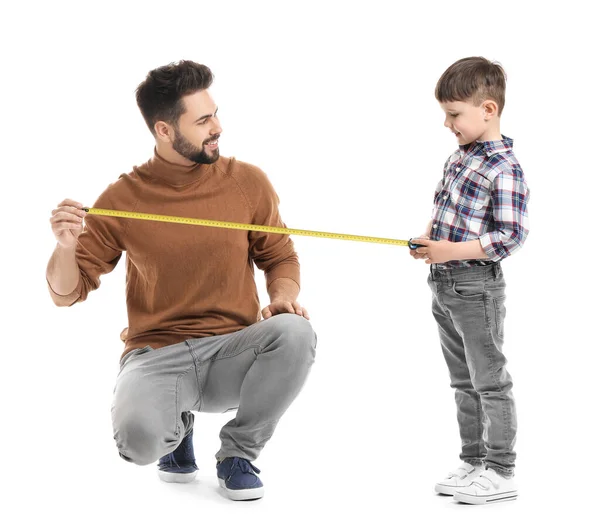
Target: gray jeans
x=468, y=305
x=259, y=370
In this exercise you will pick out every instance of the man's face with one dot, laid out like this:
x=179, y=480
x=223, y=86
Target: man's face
x=465, y=120
x=197, y=133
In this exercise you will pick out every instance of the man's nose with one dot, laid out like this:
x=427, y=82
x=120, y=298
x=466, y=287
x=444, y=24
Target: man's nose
x=215, y=126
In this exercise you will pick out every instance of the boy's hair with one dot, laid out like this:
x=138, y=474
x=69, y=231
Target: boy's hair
x=473, y=79
x=159, y=95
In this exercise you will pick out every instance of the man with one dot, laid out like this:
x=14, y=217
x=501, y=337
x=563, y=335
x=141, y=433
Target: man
x=195, y=341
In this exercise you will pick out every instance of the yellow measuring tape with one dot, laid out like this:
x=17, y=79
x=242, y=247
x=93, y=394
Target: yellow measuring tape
x=241, y=226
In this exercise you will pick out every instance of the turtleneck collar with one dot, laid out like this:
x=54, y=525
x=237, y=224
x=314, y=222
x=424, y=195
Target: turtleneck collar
x=176, y=175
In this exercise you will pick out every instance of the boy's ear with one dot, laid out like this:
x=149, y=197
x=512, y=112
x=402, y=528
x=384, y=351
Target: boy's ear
x=490, y=109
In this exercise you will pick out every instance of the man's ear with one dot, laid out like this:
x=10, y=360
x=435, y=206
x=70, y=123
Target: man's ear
x=163, y=131
x=490, y=109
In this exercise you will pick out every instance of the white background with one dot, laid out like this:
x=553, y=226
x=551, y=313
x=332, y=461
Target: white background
x=334, y=100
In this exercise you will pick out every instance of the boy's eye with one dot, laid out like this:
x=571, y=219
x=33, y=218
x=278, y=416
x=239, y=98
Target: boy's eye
x=453, y=115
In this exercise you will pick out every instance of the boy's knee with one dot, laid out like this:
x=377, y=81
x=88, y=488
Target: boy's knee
x=490, y=387
x=461, y=383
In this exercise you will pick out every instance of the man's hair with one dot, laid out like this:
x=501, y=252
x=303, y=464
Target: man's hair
x=159, y=95
x=473, y=79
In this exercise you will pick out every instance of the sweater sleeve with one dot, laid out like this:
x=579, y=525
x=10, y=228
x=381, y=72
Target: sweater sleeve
x=272, y=253
x=98, y=251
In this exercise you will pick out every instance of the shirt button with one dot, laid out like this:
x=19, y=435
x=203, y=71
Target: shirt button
x=445, y=196
x=435, y=225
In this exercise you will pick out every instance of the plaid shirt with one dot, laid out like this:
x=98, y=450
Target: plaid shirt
x=482, y=195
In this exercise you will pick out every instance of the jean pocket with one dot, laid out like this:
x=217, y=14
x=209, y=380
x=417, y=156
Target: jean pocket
x=135, y=352
x=468, y=289
x=500, y=314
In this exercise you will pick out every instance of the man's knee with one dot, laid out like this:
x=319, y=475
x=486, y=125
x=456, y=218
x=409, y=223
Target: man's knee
x=295, y=331
x=294, y=339
x=138, y=443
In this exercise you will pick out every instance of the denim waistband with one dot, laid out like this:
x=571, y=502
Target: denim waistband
x=493, y=270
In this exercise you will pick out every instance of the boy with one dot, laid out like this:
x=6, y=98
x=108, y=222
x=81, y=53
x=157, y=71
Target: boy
x=479, y=218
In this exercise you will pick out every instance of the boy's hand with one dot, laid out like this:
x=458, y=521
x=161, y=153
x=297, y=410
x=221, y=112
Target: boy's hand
x=433, y=251
x=414, y=253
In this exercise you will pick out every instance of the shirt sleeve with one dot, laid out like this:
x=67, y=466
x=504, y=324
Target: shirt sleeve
x=439, y=187
x=274, y=254
x=98, y=251
x=509, y=196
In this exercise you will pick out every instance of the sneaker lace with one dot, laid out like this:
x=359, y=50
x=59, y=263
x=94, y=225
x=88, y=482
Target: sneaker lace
x=183, y=455
x=243, y=464
x=485, y=480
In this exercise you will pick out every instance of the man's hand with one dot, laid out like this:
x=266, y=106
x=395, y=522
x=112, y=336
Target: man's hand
x=434, y=251
x=277, y=307
x=283, y=293
x=67, y=223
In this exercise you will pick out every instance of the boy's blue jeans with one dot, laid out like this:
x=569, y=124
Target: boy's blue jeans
x=468, y=305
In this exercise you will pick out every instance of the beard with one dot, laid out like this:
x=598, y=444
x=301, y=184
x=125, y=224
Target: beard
x=191, y=152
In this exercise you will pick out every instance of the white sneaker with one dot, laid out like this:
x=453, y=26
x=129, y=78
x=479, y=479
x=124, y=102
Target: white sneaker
x=489, y=486
x=462, y=476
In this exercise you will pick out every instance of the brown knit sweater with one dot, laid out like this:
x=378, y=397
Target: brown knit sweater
x=185, y=281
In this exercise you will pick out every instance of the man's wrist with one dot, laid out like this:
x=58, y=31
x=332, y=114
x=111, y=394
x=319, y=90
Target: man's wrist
x=66, y=250
x=282, y=297
x=283, y=290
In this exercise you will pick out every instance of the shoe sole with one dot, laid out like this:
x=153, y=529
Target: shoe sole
x=446, y=490
x=178, y=478
x=481, y=499
x=242, y=495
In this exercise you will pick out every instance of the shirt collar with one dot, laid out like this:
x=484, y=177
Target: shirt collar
x=489, y=148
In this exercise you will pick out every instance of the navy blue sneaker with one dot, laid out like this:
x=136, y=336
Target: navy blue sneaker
x=180, y=465
x=237, y=476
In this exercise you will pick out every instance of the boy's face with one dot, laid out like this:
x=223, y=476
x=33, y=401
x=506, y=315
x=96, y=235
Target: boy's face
x=467, y=121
